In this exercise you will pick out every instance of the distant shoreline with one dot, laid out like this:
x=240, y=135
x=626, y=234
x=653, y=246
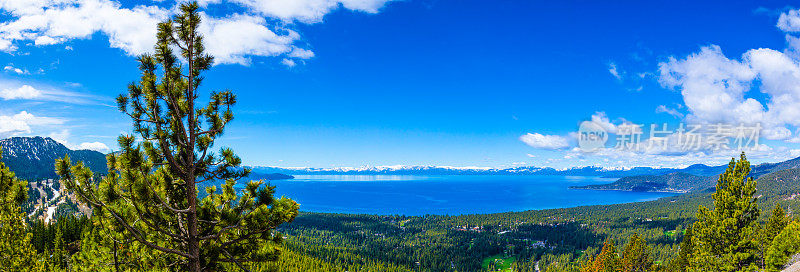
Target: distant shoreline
x=629, y=190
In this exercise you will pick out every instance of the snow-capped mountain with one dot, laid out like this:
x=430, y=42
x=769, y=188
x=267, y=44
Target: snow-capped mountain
x=442, y=170
x=33, y=158
x=697, y=170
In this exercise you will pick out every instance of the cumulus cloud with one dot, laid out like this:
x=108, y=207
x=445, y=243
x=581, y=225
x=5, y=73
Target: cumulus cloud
x=53, y=22
x=537, y=140
x=789, y=21
x=234, y=39
x=713, y=86
x=761, y=86
x=23, y=92
x=602, y=120
x=306, y=11
x=717, y=89
x=231, y=38
x=288, y=62
x=11, y=125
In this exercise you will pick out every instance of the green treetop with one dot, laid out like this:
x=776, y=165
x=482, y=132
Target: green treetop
x=685, y=250
x=606, y=261
x=785, y=245
x=150, y=193
x=17, y=252
x=777, y=221
x=725, y=238
x=636, y=255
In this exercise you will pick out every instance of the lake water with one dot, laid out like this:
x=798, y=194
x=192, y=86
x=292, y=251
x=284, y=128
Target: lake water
x=450, y=195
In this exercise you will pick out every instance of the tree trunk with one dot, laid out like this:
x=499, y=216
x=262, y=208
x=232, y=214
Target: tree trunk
x=191, y=190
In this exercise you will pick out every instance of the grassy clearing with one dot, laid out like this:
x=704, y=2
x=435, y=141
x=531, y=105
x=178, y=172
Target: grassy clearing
x=501, y=262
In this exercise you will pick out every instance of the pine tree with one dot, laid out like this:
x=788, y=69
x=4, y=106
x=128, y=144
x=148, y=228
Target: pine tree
x=58, y=256
x=636, y=255
x=784, y=246
x=151, y=191
x=725, y=239
x=777, y=221
x=607, y=261
x=15, y=243
x=681, y=262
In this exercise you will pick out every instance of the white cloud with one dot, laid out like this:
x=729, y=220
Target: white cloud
x=306, y=11
x=789, y=21
x=713, y=87
x=777, y=133
x=762, y=86
x=612, y=68
x=288, y=62
x=23, y=122
x=60, y=136
x=53, y=22
x=23, y=92
x=96, y=146
x=602, y=120
x=13, y=90
x=63, y=135
x=301, y=53
x=540, y=141
x=15, y=70
x=231, y=38
x=668, y=110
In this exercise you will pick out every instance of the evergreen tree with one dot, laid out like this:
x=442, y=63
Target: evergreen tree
x=151, y=191
x=607, y=261
x=784, y=246
x=636, y=255
x=725, y=239
x=58, y=256
x=91, y=255
x=15, y=243
x=777, y=221
x=681, y=262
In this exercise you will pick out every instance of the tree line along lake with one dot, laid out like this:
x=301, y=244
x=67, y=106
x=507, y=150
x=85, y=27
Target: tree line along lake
x=447, y=194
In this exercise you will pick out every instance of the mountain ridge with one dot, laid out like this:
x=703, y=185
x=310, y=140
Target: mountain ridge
x=33, y=158
x=696, y=169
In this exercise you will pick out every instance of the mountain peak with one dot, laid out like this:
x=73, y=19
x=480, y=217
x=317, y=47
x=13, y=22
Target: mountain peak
x=33, y=158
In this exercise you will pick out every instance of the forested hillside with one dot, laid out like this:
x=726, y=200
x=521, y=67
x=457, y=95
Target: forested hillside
x=556, y=239
x=32, y=158
x=673, y=182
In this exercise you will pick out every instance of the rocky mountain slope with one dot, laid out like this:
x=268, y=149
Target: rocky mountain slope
x=33, y=158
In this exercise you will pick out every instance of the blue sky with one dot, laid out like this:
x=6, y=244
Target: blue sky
x=327, y=83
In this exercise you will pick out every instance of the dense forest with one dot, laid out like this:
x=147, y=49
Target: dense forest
x=571, y=239
x=144, y=212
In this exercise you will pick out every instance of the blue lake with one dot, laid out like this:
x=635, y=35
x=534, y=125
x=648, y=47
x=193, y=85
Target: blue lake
x=450, y=195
